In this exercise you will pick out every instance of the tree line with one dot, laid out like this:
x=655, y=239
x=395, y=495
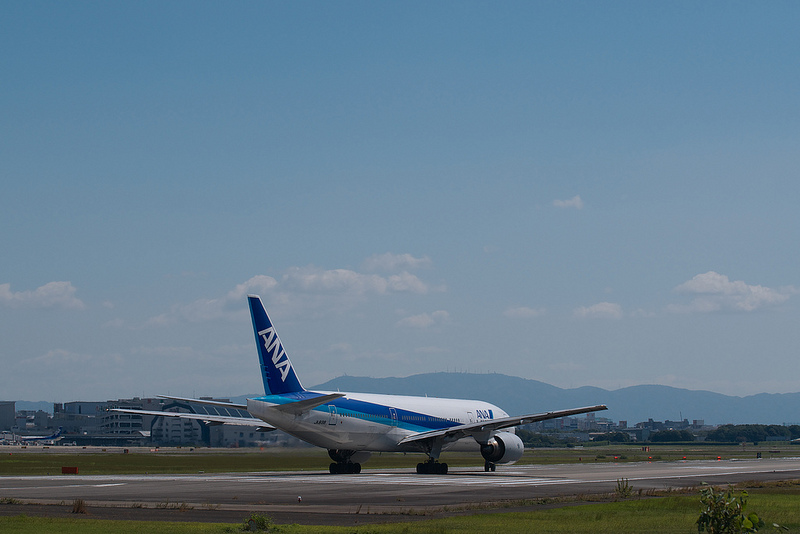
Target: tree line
x=754, y=433
x=722, y=434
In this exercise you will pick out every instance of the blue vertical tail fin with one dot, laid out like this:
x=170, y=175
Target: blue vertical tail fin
x=276, y=369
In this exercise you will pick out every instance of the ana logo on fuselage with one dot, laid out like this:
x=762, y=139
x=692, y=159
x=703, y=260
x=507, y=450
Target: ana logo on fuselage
x=485, y=414
x=273, y=348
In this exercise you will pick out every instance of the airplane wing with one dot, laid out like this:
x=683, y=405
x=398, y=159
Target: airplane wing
x=462, y=431
x=206, y=418
x=296, y=407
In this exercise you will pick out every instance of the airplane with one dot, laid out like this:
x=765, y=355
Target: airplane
x=55, y=436
x=352, y=426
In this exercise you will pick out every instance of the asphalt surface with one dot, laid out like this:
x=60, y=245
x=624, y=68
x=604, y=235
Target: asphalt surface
x=373, y=495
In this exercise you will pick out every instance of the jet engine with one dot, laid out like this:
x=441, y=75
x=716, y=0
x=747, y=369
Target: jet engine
x=502, y=448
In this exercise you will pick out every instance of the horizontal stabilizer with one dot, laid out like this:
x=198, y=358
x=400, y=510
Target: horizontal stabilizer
x=303, y=406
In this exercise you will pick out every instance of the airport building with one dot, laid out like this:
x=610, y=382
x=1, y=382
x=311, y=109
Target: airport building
x=31, y=420
x=8, y=414
x=95, y=423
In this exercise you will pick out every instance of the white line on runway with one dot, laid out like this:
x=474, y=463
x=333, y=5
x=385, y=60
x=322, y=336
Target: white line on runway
x=438, y=480
x=4, y=488
x=519, y=476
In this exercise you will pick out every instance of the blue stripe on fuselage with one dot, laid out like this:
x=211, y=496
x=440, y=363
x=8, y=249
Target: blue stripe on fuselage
x=380, y=413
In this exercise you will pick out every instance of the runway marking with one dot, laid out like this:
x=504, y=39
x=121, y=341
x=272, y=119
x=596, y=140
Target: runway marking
x=520, y=476
x=6, y=488
x=387, y=479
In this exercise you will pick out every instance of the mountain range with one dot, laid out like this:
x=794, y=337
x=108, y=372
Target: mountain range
x=522, y=396
x=632, y=404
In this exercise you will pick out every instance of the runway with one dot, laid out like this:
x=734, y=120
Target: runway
x=317, y=497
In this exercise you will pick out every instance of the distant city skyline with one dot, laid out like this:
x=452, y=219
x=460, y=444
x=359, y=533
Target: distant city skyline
x=588, y=193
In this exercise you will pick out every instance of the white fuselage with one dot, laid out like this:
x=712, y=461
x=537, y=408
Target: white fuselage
x=372, y=422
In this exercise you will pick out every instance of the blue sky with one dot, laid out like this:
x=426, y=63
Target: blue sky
x=599, y=193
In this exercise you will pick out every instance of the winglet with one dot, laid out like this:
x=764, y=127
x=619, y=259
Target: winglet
x=276, y=369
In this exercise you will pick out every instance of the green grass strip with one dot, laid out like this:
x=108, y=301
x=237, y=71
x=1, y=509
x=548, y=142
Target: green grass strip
x=663, y=515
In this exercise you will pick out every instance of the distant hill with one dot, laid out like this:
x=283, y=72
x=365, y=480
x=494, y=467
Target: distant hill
x=633, y=404
x=520, y=396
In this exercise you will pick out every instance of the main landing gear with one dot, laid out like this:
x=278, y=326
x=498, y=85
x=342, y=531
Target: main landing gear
x=345, y=468
x=489, y=466
x=346, y=462
x=431, y=467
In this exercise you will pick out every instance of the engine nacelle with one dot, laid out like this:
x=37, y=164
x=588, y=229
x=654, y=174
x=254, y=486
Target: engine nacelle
x=502, y=448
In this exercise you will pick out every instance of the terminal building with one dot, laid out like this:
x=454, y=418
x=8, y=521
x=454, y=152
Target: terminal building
x=96, y=423
x=8, y=414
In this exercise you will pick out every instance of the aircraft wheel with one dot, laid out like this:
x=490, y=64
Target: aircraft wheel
x=334, y=468
x=349, y=468
x=431, y=468
x=355, y=468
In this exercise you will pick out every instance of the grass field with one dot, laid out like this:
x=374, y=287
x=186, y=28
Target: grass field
x=669, y=514
x=778, y=503
x=94, y=461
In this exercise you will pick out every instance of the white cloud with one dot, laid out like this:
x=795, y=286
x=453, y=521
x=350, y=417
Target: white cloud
x=431, y=350
x=257, y=284
x=202, y=310
x=313, y=280
x=298, y=288
x=574, y=202
x=389, y=262
x=50, y=295
x=57, y=358
x=601, y=310
x=347, y=282
x=715, y=292
x=407, y=282
x=424, y=320
x=523, y=312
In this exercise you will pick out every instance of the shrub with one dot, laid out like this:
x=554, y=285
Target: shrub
x=723, y=513
x=623, y=489
x=79, y=506
x=257, y=523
